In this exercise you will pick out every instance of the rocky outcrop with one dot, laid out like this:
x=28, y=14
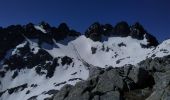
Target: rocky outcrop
x=29, y=48
x=121, y=29
x=94, y=32
x=13, y=35
x=148, y=80
x=160, y=70
x=25, y=58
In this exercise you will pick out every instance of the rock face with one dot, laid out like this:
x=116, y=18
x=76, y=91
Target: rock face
x=148, y=80
x=14, y=34
x=121, y=29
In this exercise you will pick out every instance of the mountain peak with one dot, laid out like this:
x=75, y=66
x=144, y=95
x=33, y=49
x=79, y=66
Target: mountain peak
x=36, y=61
x=121, y=29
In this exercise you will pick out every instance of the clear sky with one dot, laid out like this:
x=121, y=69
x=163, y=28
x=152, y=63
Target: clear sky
x=154, y=15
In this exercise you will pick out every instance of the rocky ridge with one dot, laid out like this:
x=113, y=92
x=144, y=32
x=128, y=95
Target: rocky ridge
x=41, y=62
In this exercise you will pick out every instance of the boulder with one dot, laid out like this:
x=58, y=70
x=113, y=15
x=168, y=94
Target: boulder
x=113, y=95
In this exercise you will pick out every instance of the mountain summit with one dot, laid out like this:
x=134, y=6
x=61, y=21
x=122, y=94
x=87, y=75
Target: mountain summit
x=42, y=62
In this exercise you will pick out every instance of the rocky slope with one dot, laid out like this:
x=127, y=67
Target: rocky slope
x=148, y=80
x=108, y=62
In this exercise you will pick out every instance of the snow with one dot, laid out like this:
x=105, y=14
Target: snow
x=77, y=49
x=19, y=46
x=102, y=58
x=40, y=28
x=33, y=46
x=29, y=76
x=162, y=50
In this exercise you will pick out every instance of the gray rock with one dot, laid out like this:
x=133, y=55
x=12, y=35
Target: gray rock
x=161, y=64
x=95, y=71
x=77, y=96
x=156, y=95
x=63, y=92
x=109, y=81
x=96, y=97
x=160, y=94
x=162, y=80
x=133, y=74
x=79, y=92
x=113, y=95
x=138, y=94
x=166, y=95
x=149, y=80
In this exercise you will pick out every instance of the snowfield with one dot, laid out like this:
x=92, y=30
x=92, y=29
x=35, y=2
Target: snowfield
x=115, y=52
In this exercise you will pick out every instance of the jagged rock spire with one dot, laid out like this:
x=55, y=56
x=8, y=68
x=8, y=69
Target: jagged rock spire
x=121, y=29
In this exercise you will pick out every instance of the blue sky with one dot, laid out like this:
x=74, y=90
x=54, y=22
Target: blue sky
x=154, y=15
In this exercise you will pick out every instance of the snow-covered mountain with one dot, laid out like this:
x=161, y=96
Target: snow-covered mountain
x=37, y=60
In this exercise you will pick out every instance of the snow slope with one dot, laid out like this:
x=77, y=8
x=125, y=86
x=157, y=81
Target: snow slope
x=115, y=52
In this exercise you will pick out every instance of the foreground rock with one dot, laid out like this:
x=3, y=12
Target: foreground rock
x=150, y=81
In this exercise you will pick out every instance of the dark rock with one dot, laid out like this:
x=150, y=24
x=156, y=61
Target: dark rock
x=30, y=31
x=164, y=50
x=1, y=93
x=16, y=89
x=51, y=68
x=38, y=70
x=144, y=45
x=63, y=27
x=139, y=94
x=66, y=60
x=50, y=92
x=61, y=32
x=144, y=79
x=74, y=73
x=107, y=30
x=113, y=95
x=137, y=31
x=73, y=79
x=74, y=33
x=45, y=26
x=122, y=29
x=64, y=92
x=152, y=41
x=118, y=61
x=60, y=83
x=15, y=75
x=121, y=44
x=33, y=98
x=93, y=49
x=94, y=32
x=27, y=92
x=13, y=35
x=2, y=74
x=34, y=85
x=49, y=98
